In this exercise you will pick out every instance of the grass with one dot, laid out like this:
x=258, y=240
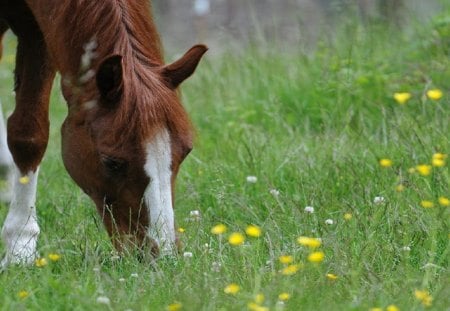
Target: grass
x=311, y=126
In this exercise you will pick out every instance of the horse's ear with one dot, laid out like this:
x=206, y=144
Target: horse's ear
x=181, y=69
x=109, y=78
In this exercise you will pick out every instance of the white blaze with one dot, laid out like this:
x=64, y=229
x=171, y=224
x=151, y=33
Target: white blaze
x=20, y=230
x=158, y=195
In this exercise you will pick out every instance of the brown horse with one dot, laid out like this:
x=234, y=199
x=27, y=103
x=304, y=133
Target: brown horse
x=126, y=132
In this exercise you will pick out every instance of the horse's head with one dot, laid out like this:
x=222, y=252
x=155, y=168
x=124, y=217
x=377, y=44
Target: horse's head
x=123, y=142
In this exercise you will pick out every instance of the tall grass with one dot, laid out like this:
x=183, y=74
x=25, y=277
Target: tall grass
x=312, y=129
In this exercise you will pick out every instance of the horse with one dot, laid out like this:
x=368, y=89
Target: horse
x=126, y=132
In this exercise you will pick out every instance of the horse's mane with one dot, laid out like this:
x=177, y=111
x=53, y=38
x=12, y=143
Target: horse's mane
x=125, y=27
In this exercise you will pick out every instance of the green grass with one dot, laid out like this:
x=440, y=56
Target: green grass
x=312, y=126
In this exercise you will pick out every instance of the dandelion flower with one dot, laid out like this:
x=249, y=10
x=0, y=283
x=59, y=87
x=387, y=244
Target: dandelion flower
x=23, y=294
x=348, y=216
x=259, y=298
x=54, y=257
x=232, y=289
x=331, y=276
x=424, y=169
x=437, y=162
x=434, y=94
x=236, y=239
x=284, y=296
x=41, y=262
x=443, y=201
x=252, y=179
x=181, y=230
x=402, y=97
x=176, y=306
x=286, y=259
x=253, y=231
x=424, y=297
x=316, y=257
x=253, y=306
x=309, y=209
x=426, y=204
x=24, y=180
x=385, y=162
x=291, y=269
x=219, y=229
x=392, y=308
x=309, y=242
x=399, y=188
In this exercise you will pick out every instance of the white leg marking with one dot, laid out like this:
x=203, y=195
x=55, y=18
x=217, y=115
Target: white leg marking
x=20, y=230
x=158, y=195
x=6, y=163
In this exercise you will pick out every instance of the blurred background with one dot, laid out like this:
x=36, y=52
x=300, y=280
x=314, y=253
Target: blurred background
x=225, y=24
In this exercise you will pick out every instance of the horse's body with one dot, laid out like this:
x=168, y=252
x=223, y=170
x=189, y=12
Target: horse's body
x=126, y=132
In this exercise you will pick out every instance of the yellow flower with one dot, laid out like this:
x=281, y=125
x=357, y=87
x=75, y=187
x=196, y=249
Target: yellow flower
x=439, y=156
x=424, y=297
x=176, y=306
x=434, y=94
x=437, y=162
x=316, y=257
x=23, y=294
x=411, y=170
x=310, y=242
x=24, y=180
x=41, y=262
x=424, y=169
x=259, y=298
x=181, y=230
x=219, y=229
x=385, y=162
x=236, y=239
x=399, y=188
x=54, y=257
x=232, y=289
x=426, y=204
x=376, y=309
x=286, y=259
x=253, y=306
x=348, y=216
x=402, y=97
x=444, y=201
x=291, y=269
x=331, y=276
x=284, y=296
x=392, y=308
x=253, y=231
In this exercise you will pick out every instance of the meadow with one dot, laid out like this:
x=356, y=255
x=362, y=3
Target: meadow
x=319, y=181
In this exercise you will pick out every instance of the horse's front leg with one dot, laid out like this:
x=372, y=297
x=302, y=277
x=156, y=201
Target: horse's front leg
x=28, y=130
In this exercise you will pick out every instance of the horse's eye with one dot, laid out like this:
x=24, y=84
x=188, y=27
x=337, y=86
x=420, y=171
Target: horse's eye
x=114, y=165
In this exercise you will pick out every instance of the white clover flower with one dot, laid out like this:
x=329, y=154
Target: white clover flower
x=309, y=209
x=329, y=221
x=378, y=200
x=187, y=255
x=406, y=248
x=121, y=280
x=274, y=192
x=103, y=300
x=96, y=269
x=134, y=275
x=252, y=179
x=195, y=215
x=216, y=266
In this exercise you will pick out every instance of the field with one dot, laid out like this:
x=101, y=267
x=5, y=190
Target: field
x=318, y=145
